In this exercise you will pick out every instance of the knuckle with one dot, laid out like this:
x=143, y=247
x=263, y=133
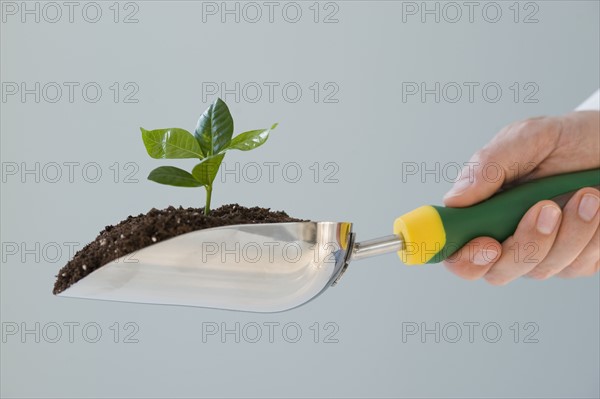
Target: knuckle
x=566, y=274
x=578, y=265
x=596, y=267
x=541, y=274
x=530, y=125
x=592, y=270
x=580, y=269
x=461, y=271
x=470, y=277
x=495, y=280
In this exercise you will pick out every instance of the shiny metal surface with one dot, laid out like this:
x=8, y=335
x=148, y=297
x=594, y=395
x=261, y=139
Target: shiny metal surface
x=260, y=268
x=377, y=246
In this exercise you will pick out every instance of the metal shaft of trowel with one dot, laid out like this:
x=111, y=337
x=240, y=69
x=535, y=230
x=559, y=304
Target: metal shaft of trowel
x=377, y=246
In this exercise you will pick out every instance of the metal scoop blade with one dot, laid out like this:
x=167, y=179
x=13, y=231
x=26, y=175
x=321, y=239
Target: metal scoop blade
x=258, y=267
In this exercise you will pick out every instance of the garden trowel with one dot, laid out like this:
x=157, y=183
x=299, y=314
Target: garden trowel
x=279, y=266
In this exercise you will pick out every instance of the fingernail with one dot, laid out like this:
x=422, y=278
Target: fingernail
x=548, y=219
x=484, y=257
x=588, y=206
x=458, y=188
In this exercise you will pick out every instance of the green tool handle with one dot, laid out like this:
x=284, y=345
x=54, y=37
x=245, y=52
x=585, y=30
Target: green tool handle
x=433, y=233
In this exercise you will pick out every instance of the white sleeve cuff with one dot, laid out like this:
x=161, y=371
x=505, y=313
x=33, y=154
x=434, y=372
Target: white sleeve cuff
x=591, y=104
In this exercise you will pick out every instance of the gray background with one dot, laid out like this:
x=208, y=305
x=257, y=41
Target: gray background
x=368, y=133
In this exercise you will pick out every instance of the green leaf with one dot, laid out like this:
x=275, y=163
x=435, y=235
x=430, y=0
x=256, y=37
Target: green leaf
x=250, y=140
x=173, y=176
x=206, y=171
x=215, y=128
x=171, y=143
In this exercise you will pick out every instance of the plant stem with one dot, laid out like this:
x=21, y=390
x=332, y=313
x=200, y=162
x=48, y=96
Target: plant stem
x=208, y=196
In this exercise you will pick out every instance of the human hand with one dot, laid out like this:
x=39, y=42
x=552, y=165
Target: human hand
x=548, y=241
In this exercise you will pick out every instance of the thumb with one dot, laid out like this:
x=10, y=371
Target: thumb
x=515, y=152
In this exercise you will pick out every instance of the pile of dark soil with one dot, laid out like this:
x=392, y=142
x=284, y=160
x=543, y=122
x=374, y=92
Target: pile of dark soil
x=137, y=232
